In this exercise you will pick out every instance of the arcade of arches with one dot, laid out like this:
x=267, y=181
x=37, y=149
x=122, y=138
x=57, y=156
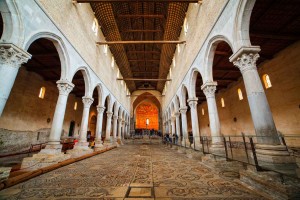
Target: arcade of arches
x=217, y=82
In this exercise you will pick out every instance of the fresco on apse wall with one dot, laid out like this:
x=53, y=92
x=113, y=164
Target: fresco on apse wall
x=145, y=111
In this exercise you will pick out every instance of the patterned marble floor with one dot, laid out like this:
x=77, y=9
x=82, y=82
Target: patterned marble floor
x=133, y=171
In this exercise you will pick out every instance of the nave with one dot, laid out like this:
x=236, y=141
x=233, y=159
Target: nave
x=134, y=171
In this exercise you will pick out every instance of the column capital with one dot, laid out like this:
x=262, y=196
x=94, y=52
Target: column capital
x=100, y=109
x=87, y=101
x=64, y=87
x=183, y=110
x=173, y=118
x=177, y=114
x=193, y=102
x=109, y=114
x=119, y=119
x=209, y=89
x=123, y=122
x=245, y=58
x=115, y=117
x=12, y=55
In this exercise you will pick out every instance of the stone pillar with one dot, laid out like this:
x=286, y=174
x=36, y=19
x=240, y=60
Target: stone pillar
x=11, y=59
x=119, y=130
x=209, y=89
x=98, y=140
x=173, y=119
x=185, y=141
x=115, y=126
x=269, y=148
x=54, y=146
x=195, y=123
x=123, y=131
x=177, y=115
x=87, y=102
x=108, y=127
x=169, y=126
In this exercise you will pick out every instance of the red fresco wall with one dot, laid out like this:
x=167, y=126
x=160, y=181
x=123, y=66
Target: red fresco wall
x=145, y=111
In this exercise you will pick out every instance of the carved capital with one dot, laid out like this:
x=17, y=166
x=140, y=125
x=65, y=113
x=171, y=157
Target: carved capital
x=177, y=114
x=12, y=55
x=183, y=110
x=245, y=58
x=115, y=117
x=109, y=114
x=209, y=89
x=193, y=103
x=64, y=87
x=87, y=101
x=119, y=119
x=100, y=109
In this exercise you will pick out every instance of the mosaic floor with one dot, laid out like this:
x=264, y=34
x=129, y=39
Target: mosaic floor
x=134, y=171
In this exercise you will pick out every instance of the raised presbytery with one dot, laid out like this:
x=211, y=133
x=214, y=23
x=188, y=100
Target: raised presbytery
x=150, y=99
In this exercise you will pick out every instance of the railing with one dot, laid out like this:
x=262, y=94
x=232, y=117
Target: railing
x=240, y=148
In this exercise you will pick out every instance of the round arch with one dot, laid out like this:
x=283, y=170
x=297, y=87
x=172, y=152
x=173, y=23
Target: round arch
x=193, y=81
x=209, y=56
x=60, y=47
x=86, y=78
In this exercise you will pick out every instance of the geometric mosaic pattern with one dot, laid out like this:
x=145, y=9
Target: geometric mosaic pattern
x=135, y=171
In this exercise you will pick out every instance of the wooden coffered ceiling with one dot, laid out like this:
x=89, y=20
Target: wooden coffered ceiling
x=142, y=36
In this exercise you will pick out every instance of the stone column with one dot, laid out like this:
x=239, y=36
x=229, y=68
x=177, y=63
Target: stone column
x=177, y=115
x=87, y=102
x=185, y=141
x=173, y=119
x=209, y=89
x=169, y=126
x=195, y=123
x=54, y=146
x=115, y=126
x=108, y=127
x=11, y=59
x=269, y=148
x=119, y=130
x=98, y=140
x=123, y=131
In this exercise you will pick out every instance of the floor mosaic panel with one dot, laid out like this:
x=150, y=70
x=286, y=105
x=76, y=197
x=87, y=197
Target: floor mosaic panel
x=153, y=171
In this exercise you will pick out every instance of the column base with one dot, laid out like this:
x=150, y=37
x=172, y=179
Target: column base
x=80, y=149
x=99, y=146
x=197, y=155
x=276, y=157
x=218, y=149
x=41, y=159
x=198, y=146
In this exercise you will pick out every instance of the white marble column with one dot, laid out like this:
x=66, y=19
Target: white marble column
x=245, y=59
x=115, y=128
x=87, y=102
x=173, y=119
x=177, y=115
x=11, y=59
x=108, y=127
x=195, y=123
x=119, y=130
x=123, y=131
x=185, y=141
x=98, y=140
x=209, y=89
x=54, y=146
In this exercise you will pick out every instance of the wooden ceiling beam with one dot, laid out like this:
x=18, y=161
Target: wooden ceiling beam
x=144, y=60
x=109, y=1
x=143, y=79
x=140, y=31
x=141, y=42
x=144, y=52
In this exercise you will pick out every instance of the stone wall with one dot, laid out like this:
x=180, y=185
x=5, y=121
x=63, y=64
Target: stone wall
x=17, y=141
x=283, y=98
x=201, y=19
x=75, y=22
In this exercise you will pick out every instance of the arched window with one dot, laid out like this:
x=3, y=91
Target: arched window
x=95, y=26
x=202, y=111
x=185, y=26
x=267, y=81
x=75, y=105
x=240, y=94
x=222, y=102
x=42, y=92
